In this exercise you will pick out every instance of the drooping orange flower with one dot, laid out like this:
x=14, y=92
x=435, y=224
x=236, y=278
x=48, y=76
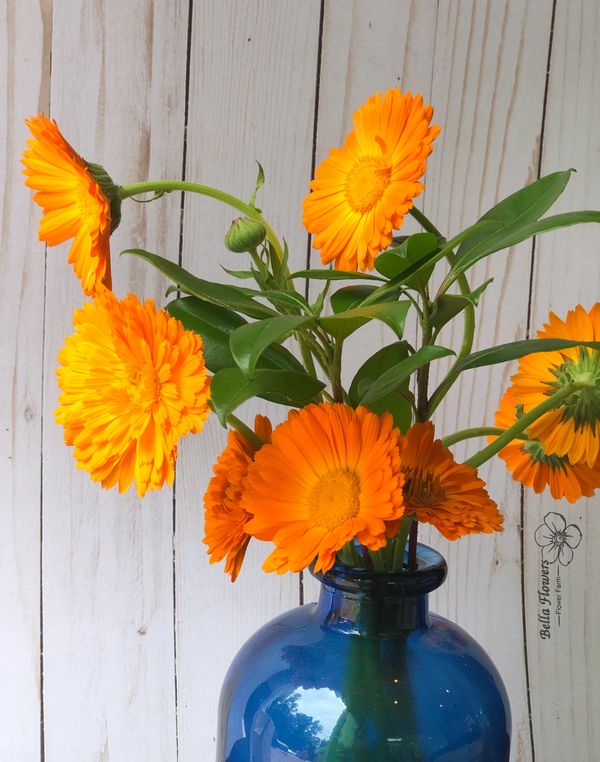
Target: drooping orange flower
x=573, y=429
x=224, y=517
x=133, y=382
x=362, y=191
x=330, y=474
x=442, y=492
x=73, y=202
x=532, y=466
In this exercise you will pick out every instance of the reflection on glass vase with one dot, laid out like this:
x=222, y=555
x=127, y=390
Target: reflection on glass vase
x=365, y=674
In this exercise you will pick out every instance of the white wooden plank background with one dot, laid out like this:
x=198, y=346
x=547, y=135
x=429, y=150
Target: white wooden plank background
x=136, y=628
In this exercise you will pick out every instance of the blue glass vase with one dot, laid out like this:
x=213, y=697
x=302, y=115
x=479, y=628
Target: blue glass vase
x=367, y=674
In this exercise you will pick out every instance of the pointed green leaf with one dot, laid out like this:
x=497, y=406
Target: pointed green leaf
x=506, y=238
x=260, y=181
x=345, y=323
x=377, y=364
x=248, y=342
x=515, y=349
x=232, y=297
x=448, y=306
x=334, y=275
x=511, y=215
x=215, y=325
x=229, y=388
x=400, y=372
x=394, y=261
x=350, y=297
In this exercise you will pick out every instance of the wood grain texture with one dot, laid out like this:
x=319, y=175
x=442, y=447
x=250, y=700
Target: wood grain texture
x=252, y=90
x=24, y=89
x=565, y=693
x=489, y=74
x=138, y=630
x=118, y=75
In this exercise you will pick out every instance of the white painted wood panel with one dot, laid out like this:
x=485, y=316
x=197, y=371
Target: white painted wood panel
x=137, y=628
x=118, y=90
x=563, y=668
x=24, y=89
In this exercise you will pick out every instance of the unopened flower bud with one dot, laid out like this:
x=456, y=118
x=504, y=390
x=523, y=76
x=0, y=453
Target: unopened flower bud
x=245, y=235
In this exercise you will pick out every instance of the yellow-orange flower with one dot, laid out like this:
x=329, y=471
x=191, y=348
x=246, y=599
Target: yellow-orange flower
x=73, y=202
x=532, y=466
x=442, y=492
x=573, y=429
x=330, y=474
x=224, y=517
x=133, y=382
x=362, y=191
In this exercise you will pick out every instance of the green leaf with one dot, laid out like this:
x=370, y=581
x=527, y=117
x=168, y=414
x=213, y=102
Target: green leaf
x=399, y=408
x=229, y=388
x=376, y=365
x=344, y=323
x=400, y=372
x=287, y=298
x=260, y=181
x=241, y=274
x=317, y=306
x=394, y=402
x=448, y=306
x=215, y=325
x=232, y=297
x=334, y=275
x=351, y=296
x=393, y=262
x=516, y=349
x=248, y=342
x=511, y=219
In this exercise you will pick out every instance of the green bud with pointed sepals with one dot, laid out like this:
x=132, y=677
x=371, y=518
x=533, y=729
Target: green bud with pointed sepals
x=245, y=235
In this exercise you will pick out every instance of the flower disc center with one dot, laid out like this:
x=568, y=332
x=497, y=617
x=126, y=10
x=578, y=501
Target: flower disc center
x=366, y=183
x=422, y=489
x=334, y=499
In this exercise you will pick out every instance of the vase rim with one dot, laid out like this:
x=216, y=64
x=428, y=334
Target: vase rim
x=428, y=576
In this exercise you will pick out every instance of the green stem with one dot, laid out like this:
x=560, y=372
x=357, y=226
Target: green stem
x=244, y=430
x=478, y=431
x=336, y=372
x=425, y=222
x=523, y=423
x=400, y=541
x=167, y=186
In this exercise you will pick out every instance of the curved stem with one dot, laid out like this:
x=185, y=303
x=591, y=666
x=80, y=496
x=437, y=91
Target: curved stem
x=167, y=186
x=425, y=222
x=336, y=372
x=244, y=430
x=523, y=423
x=478, y=431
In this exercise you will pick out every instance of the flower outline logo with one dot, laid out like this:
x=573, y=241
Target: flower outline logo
x=557, y=539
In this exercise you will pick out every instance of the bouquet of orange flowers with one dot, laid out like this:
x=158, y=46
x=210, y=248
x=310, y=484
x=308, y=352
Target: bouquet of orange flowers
x=353, y=468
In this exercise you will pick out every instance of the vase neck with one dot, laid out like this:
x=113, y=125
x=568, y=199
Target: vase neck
x=363, y=602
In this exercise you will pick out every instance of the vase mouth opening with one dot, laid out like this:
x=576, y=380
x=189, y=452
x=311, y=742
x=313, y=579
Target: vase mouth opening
x=429, y=574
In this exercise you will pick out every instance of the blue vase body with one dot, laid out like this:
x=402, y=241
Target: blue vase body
x=367, y=674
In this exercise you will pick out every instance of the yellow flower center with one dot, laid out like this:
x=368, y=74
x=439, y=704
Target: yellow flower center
x=144, y=388
x=366, y=182
x=334, y=499
x=421, y=489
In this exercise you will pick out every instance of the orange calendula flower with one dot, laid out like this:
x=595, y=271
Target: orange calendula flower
x=224, y=518
x=362, y=191
x=532, y=466
x=330, y=474
x=74, y=203
x=442, y=492
x=133, y=382
x=573, y=429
